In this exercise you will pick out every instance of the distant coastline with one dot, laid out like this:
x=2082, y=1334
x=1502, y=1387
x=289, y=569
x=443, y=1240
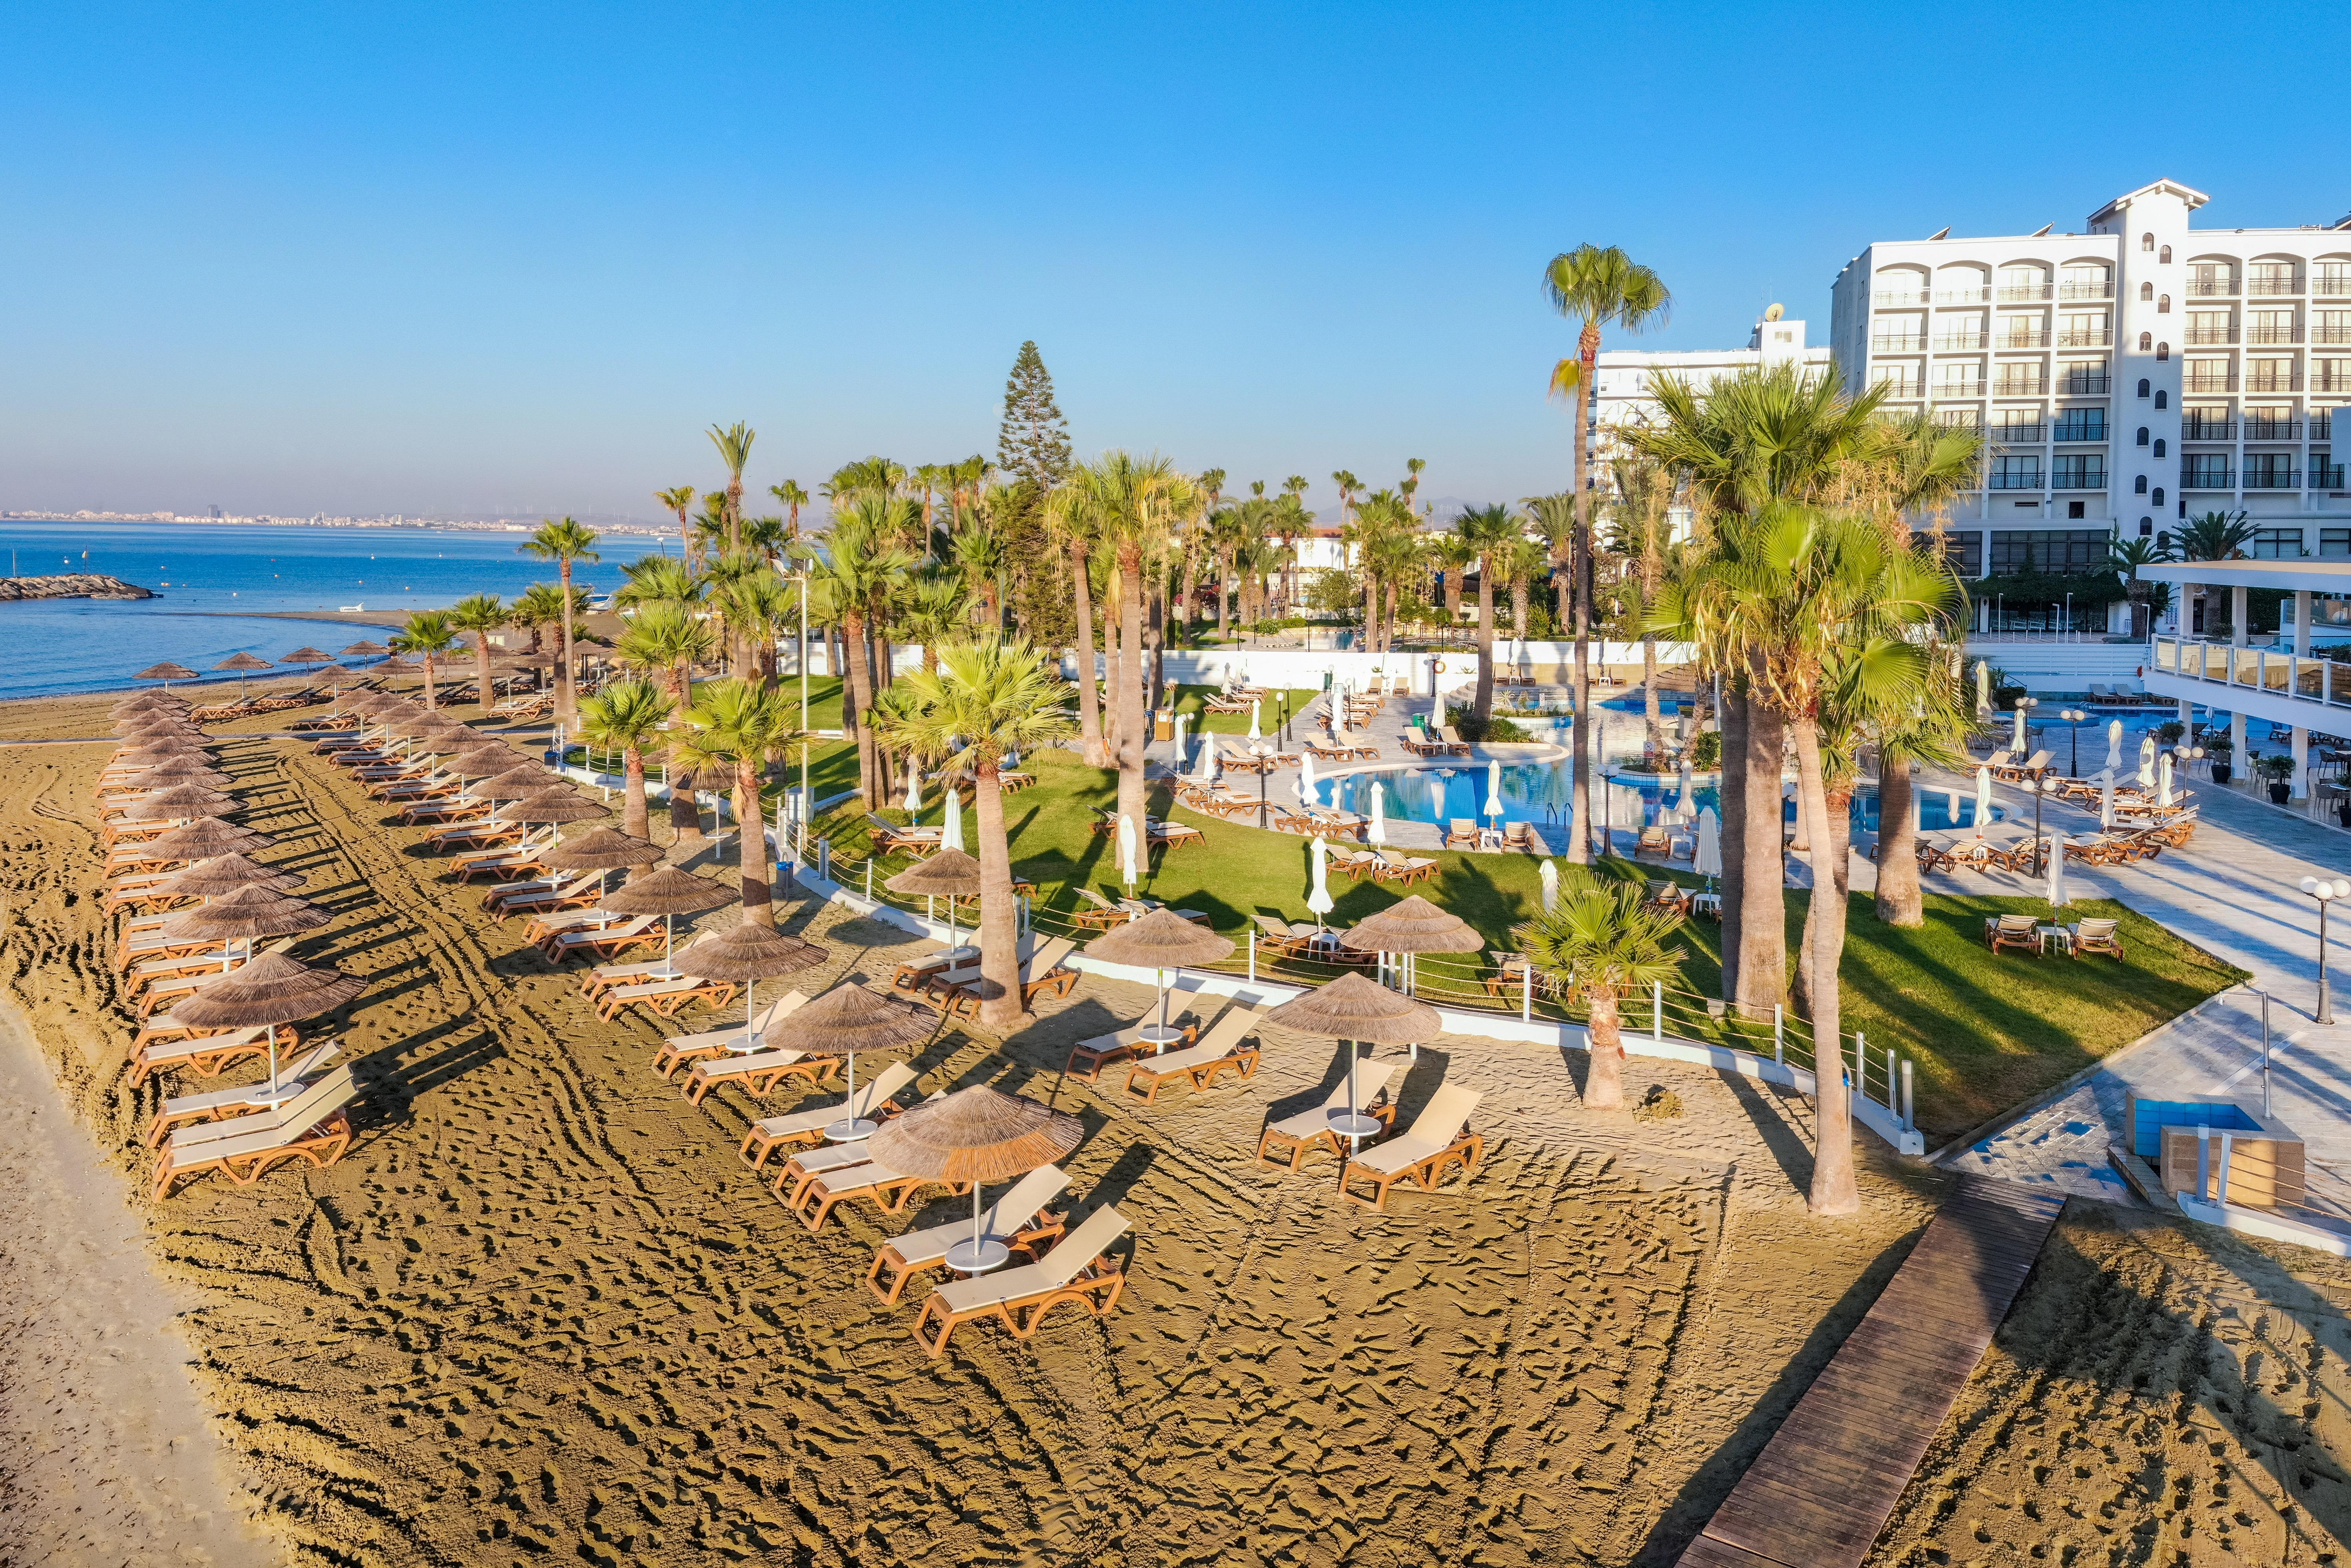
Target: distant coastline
x=257, y=520
x=70, y=585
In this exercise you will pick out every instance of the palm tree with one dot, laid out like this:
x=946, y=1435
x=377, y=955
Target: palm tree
x=1641, y=534
x=856, y=571
x=480, y=613
x=752, y=606
x=657, y=579
x=1075, y=523
x=540, y=606
x=1554, y=522
x=667, y=638
x=979, y=560
x=1196, y=535
x=677, y=501
x=564, y=543
x=1601, y=942
x=2211, y=535
x=2126, y=556
x=1228, y=531
x=933, y=609
x=1348, y=485
x=428, y=635
x=1485, y=533
x=791, y=497
x=742, y=726
x=734, y=445
x=1929, y=733
x=1518, y=564
x=628, y=717
x=988, y=699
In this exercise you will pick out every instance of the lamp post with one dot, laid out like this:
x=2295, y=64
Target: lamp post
x=1261, y=751
x=2326, y=892
x=2040, y=787
x=2187, y=754
x=2075, y=716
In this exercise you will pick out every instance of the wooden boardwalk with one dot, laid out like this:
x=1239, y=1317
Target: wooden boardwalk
x=1822, y=1489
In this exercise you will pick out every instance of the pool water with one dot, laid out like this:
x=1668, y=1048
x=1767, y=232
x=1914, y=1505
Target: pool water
x=1543, y=793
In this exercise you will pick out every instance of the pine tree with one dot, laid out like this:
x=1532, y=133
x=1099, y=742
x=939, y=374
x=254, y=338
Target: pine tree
x=1033, y=443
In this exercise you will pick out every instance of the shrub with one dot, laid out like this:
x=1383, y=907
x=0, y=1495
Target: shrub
x=1706, y=750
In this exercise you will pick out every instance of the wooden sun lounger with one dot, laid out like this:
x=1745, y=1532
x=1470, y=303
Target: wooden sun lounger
x=953, y=965
x=757, y=1072
x=1453, y=741
x=604, y=976
x=1042, y=969
x=580, y=892
x=888, y=1190
x=667, y=998
x=1219, y=1051
x=2098, y=937
x=1078, y=1270
x=609, y=942
x=1402, y=868
x=162, y=1044
x=136, y=945
x=520, y=863
x=1019, y=1219
x=808, y=1126
x=2011, y=931
x=219, y=1103
x=1439, y=1136
x=681, y=1049
x=312, y=1126
x=1295, y=1135
x=1089, y=1057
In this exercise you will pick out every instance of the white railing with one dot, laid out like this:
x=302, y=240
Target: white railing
x=2296, y=676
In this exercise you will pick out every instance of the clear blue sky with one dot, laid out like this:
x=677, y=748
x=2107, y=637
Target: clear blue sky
x=404, y=257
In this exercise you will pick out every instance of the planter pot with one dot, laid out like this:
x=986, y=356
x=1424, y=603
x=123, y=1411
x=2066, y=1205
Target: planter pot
x=2280, y=793
x=2343, y=814
x=2220, y=773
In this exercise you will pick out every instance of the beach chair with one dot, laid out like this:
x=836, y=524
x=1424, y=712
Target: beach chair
x=218, y=1105
x=576, y=893
x=606, y=942
x=1996, y=761
x=2097, y=937
x=2031, y=769
x=888, y=838
x=311, y=1126
x=2010, y=931
x=1670, y=895
x=1285, y=1143
x=1078, y=1270
x=1514, y=837
x=1424, y=747
x=1440, y=1136
x=1041, y=972
x=665, y=998
x=1397, y=867
x=1099, y=914
x=1508, y=973
x=162, y=1044
x=1461, y=833
x=815, y=1197
x=1330, y=753
x=1285, y=939
x=1219, y=1051
x=505, y=865
x=681, y=1049
x=1089, y=1057
x=1653, y=841
x=807, y=1126
x=1453, y=741
x=1020, y=1220
x=1171, y=835
x=1357, y=863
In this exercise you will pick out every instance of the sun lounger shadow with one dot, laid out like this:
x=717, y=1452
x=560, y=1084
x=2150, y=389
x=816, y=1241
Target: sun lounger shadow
x=1132, y=1165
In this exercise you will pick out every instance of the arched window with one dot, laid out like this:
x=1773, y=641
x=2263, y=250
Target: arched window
x=2147, y=242
x=2159, y=495
x=2139, y=487
x=2142, y=436
x=2162, y=353
x=2162, y=402
x=2166, y=257
x=2145, y=527
x=2146, y=341
x=2147, y=291
x=2142, y=381
x=2158, y=449
x=2163, y=305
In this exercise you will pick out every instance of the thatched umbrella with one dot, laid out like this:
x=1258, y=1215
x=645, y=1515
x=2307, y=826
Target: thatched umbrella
x=204, y=838
x=550, y=805
x=667, y=892
x=244, y=914
x=273, y=989
x=182, y=802
x=847, y=1020
x=1354, y=1008
x=523, y=780
x=602, y=850
x=396, y=666
x=306, y=654
x=225, y=873
x=167, y=672
x=947, y=873
x=978, y=1135
x=148, y=704
x=1161, y=940
x=1412, y=925
x=750, y=952
x=140, y=749
x=243, y=664
x=364, y=649
x=183, y=769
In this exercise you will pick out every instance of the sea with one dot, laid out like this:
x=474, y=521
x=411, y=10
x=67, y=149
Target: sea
x=210, y=580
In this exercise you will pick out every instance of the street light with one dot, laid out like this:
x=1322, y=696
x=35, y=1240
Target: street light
x=2041, y=787
x=1261, y=751
x=2326, y=892
x=2075, y=716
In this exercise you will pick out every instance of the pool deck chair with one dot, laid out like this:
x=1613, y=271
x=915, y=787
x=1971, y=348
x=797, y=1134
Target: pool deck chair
x=1439, y=1136
x=2097, y=937
x=808, y=1126
x=1019, y=1219
x=759, y=1072
x=1292, y=1136
x=665, y=998
x=1219, y=1051
x=1078, y=1270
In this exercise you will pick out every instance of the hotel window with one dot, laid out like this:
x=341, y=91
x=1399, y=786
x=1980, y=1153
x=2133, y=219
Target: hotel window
x=2162, y=402
x=2335, y=544
x=2158, y=449
x=2147, y=291
x=2208, y=278
x=2163, y=305
x=2142, y=381
x=2048, y=549
x=2166, y=257
x=2270, y=277
x=2275, y=544
x=2142, y=436
x=2138, y=486
x=2332, y=327
x=1959, y=418
x=2079, y=471
x=2205, y=471
x=2272, y=326
x=2081, y=424
x=2015, y=473
x=2147, y=242
x=1965, y=553
x=2270, y=471
x=2331, y=277
x=2158, y=501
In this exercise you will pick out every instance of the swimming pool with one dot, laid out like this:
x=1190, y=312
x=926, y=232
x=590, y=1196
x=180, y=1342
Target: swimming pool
x=1543, y=793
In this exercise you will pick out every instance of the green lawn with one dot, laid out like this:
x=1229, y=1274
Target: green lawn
x=1986, y=1032
x=1194, y=701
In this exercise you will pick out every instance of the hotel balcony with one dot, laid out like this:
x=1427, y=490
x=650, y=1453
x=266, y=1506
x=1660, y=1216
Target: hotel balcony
x=2326, y=478
x=1959, y=342
x=2207, y=430
x=1899, y=297
x=2019, y=386
x=2273, y=381
x=2086, y=291
x=2210, y=382
x=2030, y=480
x=2020, y=434
x=2273, y=287
x=2099, y=339
x=2221, y=288
x=2271, y=479
x=2027, y=340
x=1959, y=389
x=2021, y=293
x=2217, y=476
x=2295, y=682
x=2206, y=336
x=2332, y=337
x=1897, y=345
x=2258, y=429
x=2332, y=282
x=2084, y=383
x=2272, y=334
x=1963, y=297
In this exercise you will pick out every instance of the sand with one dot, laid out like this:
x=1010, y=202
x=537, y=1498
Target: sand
x=542, y=1311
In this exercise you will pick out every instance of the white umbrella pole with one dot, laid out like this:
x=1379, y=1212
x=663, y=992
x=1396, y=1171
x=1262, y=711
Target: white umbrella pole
x=748, y=1037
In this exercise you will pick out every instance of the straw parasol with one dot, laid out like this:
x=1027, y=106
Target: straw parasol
x=364, y=649
x=187, y=801
x=181, y=769
x=166, y=671
x=1160, y=941
x=225, y=873
x=516, y=782
x=138, y=748
x=1355, y=1008
x=396, y=666
x=945, y=873
x=244, y=914
x=667, y=892
x=1412, y=925
x=307, y=654
x=204, y=838
x=550, y=805
x=602, y=850
x=847, y=1020
x=272, y=989
x=976, y=1135
x=243, y=664
x=750, y=952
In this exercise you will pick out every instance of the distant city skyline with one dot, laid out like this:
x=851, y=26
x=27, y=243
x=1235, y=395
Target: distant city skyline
x=460, y=265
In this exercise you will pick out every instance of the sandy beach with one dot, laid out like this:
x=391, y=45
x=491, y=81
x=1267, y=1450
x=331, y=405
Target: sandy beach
x=541, y=1308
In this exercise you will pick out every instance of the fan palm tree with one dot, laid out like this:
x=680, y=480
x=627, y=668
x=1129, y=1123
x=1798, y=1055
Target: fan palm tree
x=1600, y=942
x=565, y=543
x=791, y=498
x=629, y=717
x=1929, y=733
x=1516, y=566
x=734, y=445
x=979, y=560
x=1486, y=534
x=855, y=573
x=480, y=613
x=667, y=638
x=933, y=609
x=1605, y=288
x=2126, y=556
x=987, y=700
x=677, y=501
x=657, y=579
x=1641, y=534
x=428, y=635
x=2211, y=535
x=737, y=728
x=539, y=607
x=752, y=606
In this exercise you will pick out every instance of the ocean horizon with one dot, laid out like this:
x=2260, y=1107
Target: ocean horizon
x=220, y=586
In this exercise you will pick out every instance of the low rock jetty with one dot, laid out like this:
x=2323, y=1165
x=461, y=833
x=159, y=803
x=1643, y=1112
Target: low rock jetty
x=71, y=585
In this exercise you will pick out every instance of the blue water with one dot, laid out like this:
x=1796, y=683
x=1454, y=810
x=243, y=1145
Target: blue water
x=204, y=574
x=1543, y=793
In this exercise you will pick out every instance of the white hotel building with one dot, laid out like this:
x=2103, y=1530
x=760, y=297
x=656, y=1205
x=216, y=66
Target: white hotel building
x=2123, y=377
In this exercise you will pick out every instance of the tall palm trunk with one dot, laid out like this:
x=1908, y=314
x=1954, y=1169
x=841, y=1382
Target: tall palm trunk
x=1129, y=690
x=1580, y=587
x=1838, y=855
x=567, y=701
x=1370, y=611
x=1834, y=1190
x=751, y=829
x=1763, y=923
x=430, y=703
x=856, y=713
x=1519, y=610
x=1732, y=720
x=1900, y=899
x=1656, y=731
x=1089, y=734
x=483, y=692
x=1603, y=1086
x=1000, y=1005
x=1485, y=705
x=635, y=819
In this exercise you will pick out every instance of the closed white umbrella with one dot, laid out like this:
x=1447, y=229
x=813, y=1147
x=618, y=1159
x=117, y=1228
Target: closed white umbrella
x=1983, y=801
x=951, y=829
x=1983, y=687
x=1548, y=872
x=1180, y=720
x=2106, y=799
x=2018, y=745
x=1707, y=861
x=2163, y=780
x=1683, y=804
x=2055, y=891
x=2113, y=745
x=1255, y=733
x=914, y=790
x=1126, y=850
x=2146, y=763
x=1319, y=899
x=1306, y=780
x=1493, y=788
x=1378, y=832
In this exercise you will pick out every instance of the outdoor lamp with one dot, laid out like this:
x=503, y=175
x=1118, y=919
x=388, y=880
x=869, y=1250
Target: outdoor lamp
x=2326, y=892
x=2075, y=717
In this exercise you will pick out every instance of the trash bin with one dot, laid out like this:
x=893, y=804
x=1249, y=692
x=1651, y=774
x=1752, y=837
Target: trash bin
x=1164, y=725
